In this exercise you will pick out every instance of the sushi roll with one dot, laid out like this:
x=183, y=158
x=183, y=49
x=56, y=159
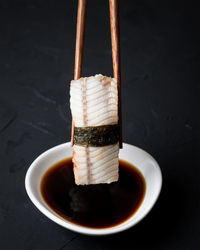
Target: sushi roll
x=94, y=107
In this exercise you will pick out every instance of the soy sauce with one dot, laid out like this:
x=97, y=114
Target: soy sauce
x=94, y=206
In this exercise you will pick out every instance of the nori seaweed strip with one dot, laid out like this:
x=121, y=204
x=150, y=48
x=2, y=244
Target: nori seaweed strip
x=96, y=136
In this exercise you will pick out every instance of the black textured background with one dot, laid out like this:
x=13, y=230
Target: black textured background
x=160, y=54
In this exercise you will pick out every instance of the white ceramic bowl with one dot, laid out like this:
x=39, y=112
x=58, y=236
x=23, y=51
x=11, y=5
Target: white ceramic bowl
x=139, y=158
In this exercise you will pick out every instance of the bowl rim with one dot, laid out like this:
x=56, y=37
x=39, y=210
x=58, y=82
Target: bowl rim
x=78, y=228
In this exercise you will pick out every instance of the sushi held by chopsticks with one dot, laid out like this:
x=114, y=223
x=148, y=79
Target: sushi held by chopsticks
x=94, y=107
x=96, y=111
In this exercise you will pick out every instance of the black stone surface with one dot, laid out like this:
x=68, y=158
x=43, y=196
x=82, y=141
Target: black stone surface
x=160, y=50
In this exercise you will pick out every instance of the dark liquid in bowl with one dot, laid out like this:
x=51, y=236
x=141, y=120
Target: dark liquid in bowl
x=94, y=206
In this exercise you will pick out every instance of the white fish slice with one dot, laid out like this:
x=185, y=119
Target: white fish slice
x=94, y=102
x=88, y=170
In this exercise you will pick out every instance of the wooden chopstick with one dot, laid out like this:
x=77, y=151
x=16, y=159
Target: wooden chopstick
x=80, y=30
x=114, y=26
